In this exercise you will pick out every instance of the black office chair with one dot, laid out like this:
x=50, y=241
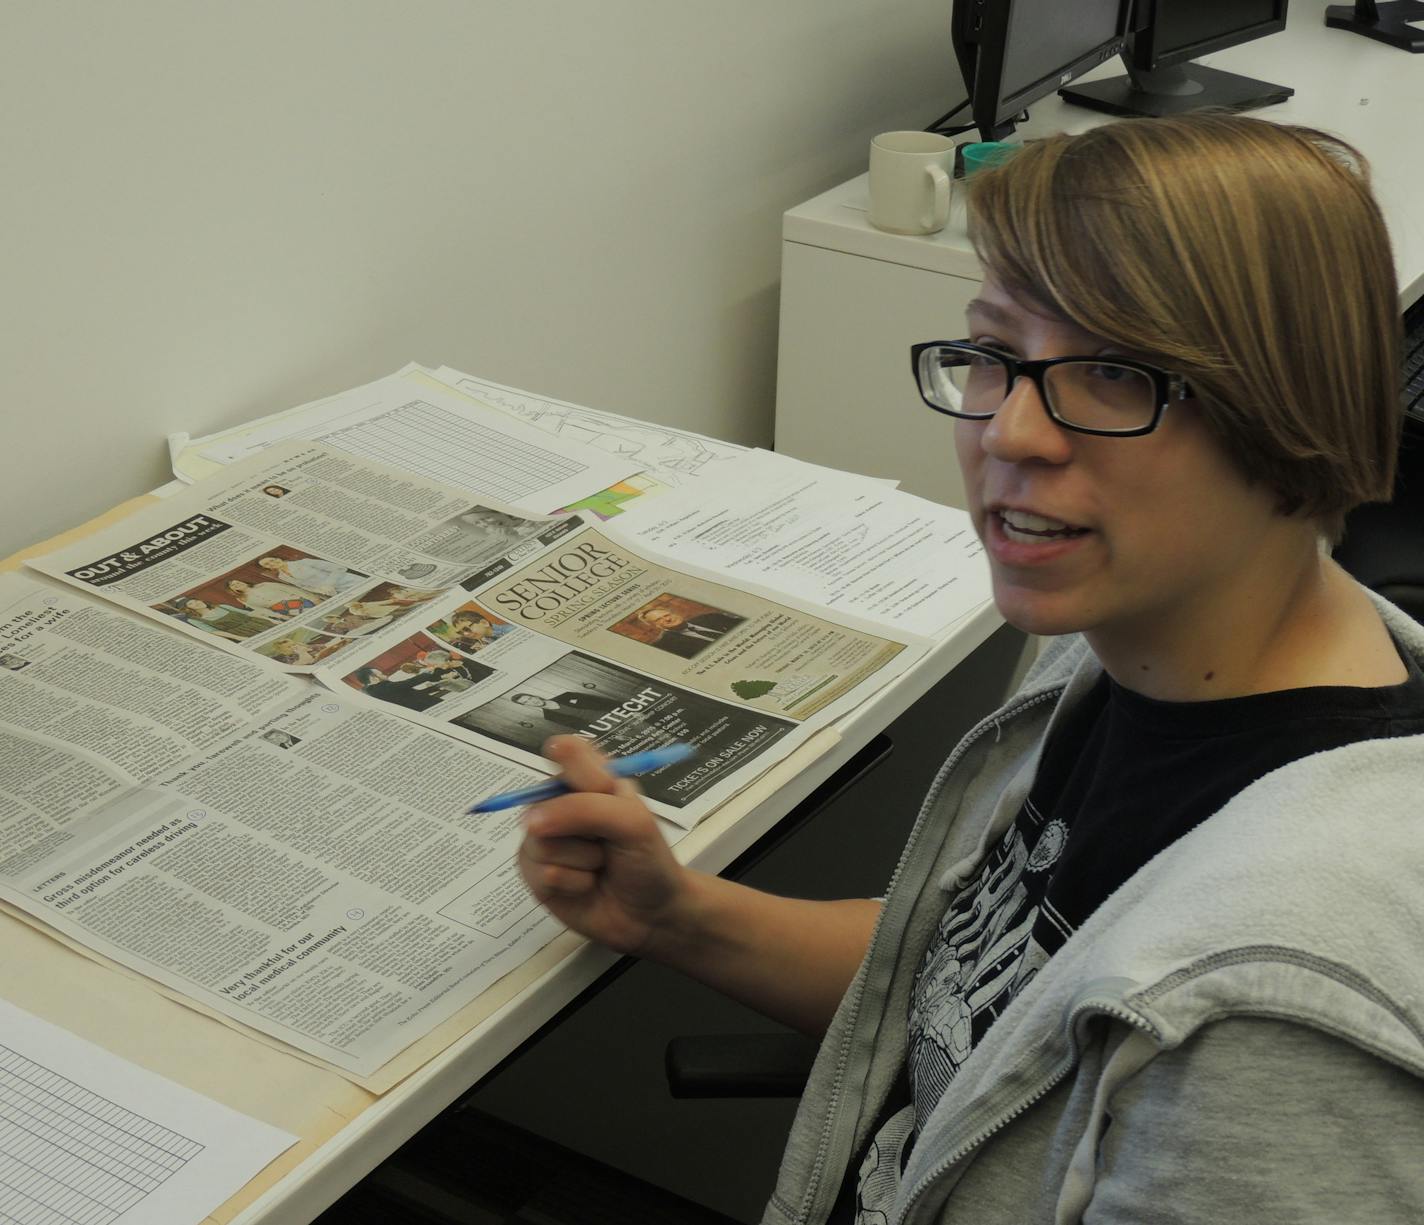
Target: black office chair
x=473, y=1169
x=738, y=1065
x=761, y=1065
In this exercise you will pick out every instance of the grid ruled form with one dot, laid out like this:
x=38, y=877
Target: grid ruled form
x=71, y=1157
x=426, y=439
x=87, y=1138
x=415, y=423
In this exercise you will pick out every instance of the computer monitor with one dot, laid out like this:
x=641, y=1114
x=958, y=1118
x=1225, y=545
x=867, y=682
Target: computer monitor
x=1167, y=36
x=1013, y=52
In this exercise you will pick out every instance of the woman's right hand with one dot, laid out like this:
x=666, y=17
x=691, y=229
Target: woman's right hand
x=596, y=859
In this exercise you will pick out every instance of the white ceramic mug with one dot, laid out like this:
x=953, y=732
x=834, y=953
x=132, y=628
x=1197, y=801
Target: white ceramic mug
x=909, y=181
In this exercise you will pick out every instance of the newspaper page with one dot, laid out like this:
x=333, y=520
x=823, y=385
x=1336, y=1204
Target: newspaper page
x=295, y=555
x=843, y=541
x=93, y=704
x=592, y=638
x=258, y=847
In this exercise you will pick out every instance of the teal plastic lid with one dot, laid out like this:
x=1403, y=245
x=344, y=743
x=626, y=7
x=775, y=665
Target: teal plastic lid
x=987, y=153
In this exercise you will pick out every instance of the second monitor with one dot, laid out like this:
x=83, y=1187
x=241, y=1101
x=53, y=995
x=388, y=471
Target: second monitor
x=1169, y=35
x=1013, y=52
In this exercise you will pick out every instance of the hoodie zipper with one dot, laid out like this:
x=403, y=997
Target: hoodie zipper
x=996, y=722
x=1054, y=1078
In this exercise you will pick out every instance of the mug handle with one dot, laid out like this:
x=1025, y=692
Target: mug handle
x=938, y=216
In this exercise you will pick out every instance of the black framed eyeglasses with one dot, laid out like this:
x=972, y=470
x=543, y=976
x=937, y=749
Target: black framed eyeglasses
x=1116, y=396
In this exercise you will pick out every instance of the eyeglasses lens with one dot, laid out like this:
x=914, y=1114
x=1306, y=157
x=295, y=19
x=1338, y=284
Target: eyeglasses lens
x=963, y=382
x=1101, y=395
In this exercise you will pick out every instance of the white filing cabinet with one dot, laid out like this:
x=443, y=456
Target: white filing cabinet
x=853, y=301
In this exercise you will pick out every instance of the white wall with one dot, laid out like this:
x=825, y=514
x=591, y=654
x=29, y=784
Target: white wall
x=215, y=210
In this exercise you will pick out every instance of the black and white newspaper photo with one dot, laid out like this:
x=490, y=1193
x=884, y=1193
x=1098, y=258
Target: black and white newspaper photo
x=627, y=712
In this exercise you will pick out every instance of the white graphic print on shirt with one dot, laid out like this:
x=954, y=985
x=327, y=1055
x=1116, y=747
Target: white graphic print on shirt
x=982, y=957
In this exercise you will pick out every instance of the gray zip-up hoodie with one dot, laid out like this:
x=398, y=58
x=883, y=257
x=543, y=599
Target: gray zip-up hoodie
x=1237, y=1033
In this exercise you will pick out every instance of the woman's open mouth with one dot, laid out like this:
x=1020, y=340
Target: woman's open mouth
x=1023, y=527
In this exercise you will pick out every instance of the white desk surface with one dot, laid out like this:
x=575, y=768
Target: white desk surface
x=347, y=1132
x=1361, y=90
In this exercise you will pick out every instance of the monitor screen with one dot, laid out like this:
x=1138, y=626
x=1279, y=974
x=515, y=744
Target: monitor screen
x=1014, y=52
x=1047, y=37
x=1184, y=29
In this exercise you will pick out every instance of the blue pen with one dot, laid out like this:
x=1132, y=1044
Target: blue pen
x=619, y=767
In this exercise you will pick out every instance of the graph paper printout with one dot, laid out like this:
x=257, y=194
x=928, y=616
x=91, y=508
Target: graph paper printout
x=87, y=1138
x=443, y=435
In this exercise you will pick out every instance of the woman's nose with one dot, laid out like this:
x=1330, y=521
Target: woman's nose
x=1023, y=430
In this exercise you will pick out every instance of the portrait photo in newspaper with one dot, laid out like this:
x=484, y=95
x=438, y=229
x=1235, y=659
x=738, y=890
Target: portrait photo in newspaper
x=678, y=625
x=471, y=627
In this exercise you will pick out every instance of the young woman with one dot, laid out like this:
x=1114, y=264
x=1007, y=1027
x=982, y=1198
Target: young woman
x=1152, y=952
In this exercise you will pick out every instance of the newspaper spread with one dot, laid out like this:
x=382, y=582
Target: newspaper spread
x=310, y=841
x=520, y=628
x=286, y=859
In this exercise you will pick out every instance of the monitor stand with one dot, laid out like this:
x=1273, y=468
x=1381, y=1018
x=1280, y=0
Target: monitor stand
x=1387, y=22
x=1175, y=90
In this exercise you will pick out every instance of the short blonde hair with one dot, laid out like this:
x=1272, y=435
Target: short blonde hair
x=1249, y=256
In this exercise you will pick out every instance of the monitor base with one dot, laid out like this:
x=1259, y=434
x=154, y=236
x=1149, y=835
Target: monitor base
x=1389, y=22
x=1187, y=87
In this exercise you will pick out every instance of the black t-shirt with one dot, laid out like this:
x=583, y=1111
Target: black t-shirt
x=1122, y=778
x=1148, y=772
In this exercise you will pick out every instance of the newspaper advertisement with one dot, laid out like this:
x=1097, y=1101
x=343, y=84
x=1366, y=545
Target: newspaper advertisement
x=297, y=554
x=296, y=863
x=592, y=638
